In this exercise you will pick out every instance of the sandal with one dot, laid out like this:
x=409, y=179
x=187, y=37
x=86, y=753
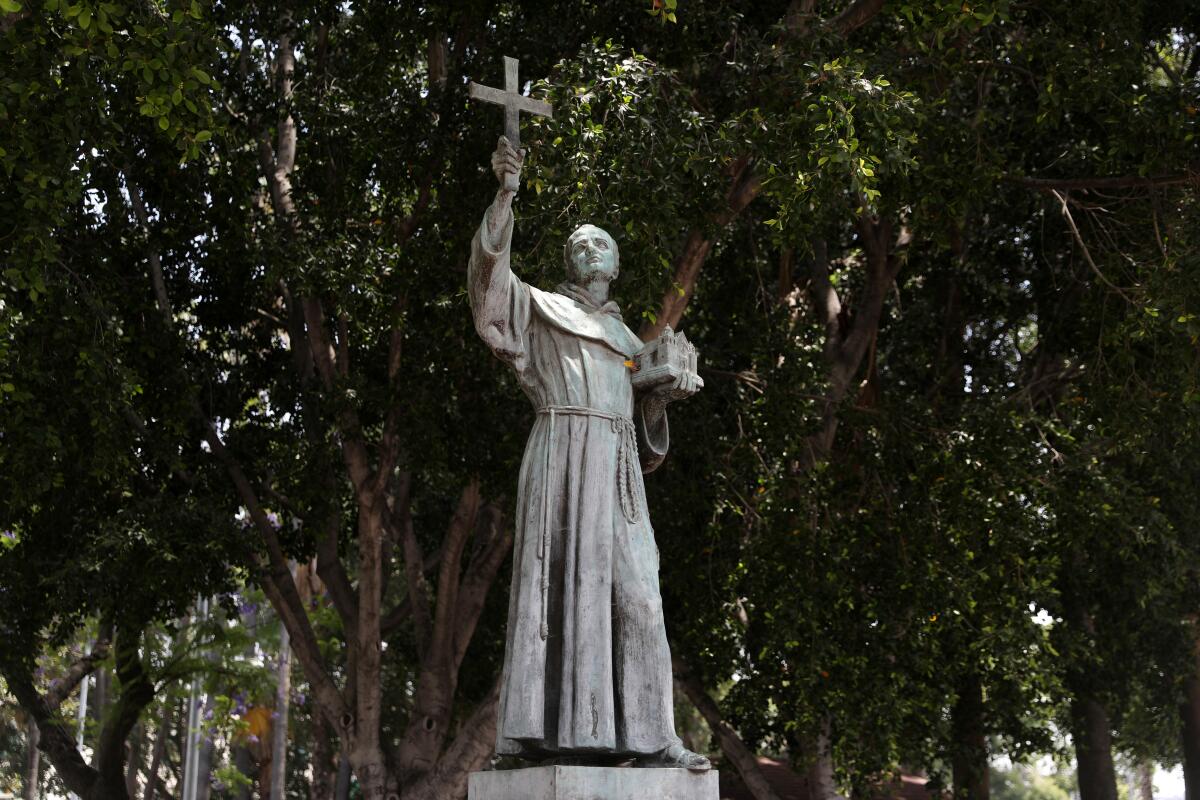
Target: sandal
x=675, y=756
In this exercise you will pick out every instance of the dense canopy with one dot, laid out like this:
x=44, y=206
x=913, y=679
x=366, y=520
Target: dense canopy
x=935, y=505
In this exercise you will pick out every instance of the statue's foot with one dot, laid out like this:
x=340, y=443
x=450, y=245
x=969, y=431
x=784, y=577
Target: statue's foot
x=675, y=757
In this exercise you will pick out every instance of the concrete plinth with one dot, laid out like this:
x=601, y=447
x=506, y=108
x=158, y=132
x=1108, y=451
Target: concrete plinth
x=593, y=783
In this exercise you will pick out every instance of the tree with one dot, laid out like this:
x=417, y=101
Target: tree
x=937, y=258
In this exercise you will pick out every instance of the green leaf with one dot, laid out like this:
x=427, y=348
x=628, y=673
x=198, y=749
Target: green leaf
x=203, y=136
x=10, y=6
x=164, y=123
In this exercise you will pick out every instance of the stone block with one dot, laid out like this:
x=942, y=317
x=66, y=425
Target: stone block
x=593, y=783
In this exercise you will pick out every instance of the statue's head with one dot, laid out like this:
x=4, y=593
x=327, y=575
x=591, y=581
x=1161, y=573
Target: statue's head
x=591, y=254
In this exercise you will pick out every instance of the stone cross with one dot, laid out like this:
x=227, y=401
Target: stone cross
x=514, y=103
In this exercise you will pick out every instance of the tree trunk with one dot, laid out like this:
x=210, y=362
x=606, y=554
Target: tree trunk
x=819, y=775
x=1189, y=710
x=134, y=764
x=33, y=762
x=162, y=736
x=1145, y=779
x=324, y=766
x=243, y=761
x=279, y=728
x=970, y=756
x=1093, y=750
x=106, y=779
x=100, y=693
x=341, y=790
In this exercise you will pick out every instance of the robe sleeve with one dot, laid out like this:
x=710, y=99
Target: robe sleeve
x=654, y=437
x=499, y=300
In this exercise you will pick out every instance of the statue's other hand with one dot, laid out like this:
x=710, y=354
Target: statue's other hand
x=686, y=385
x=507, y=160
x=683, y=387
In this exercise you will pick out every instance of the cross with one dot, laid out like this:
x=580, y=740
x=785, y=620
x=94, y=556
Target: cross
x=513, y=102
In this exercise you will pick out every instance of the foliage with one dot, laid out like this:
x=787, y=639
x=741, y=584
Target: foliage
x=1004, y=500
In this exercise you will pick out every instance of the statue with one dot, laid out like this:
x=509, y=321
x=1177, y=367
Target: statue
x=587, y=669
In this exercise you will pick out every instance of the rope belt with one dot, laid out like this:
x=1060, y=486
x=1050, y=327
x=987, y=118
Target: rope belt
x=627, y=481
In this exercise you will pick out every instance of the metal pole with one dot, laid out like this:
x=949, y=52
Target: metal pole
x=81, y=716
x=191, y=766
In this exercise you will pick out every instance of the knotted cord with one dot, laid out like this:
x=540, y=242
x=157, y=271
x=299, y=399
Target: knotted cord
x=627, y=483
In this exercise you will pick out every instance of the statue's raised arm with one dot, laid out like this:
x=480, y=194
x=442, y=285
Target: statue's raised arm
x=499, y=301
x=506, y=164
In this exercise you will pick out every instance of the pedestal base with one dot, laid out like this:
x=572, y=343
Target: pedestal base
x=593, y=783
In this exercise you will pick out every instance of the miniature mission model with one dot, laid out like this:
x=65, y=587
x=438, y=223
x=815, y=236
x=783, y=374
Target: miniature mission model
x=664, y=360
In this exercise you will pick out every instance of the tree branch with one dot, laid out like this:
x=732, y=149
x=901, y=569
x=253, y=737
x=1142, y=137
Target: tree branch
x=329, y=565
x=875, y=235
x=1087, y=254
x=354, y=449
x=389, y=441
x=744, y=187
x=855, y=15
x=481, y=574
x=826, y=302
x=156, y=270
x=404, y=609
x=333, y=574
x=437, y=681
x=55, y=740
x=448, y=584
x=741, y=756
x=797, y=17
x=414, y=574
x=277, y=582
x=1191, y=176
x=61, y=688
x=278, y=161
x=280, y=587
x=853, y=336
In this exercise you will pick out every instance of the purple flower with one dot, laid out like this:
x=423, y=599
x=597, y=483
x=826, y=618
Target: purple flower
x=12, y=537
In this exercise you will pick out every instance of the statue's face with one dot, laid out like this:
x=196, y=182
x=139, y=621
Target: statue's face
x=591, y=255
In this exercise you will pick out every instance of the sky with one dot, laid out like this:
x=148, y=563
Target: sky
x=1168, y=785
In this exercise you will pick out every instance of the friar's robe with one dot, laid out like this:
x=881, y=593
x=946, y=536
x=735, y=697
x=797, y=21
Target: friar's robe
x=587, y=668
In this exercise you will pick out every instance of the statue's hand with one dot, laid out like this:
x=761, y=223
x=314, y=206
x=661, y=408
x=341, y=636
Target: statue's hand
x=683, y=387
x=507, y=161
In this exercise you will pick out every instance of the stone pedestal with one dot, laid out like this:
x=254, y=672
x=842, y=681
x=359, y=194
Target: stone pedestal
x=593, y=783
